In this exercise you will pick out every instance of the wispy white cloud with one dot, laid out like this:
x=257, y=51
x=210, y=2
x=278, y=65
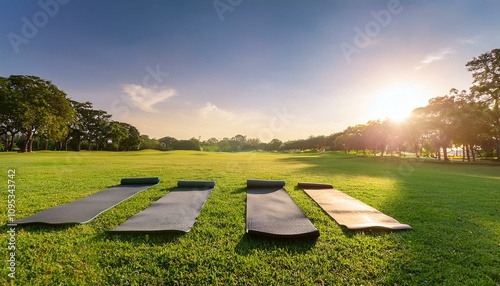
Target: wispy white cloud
x=145, y=98
x=434, y=57
x=467, y=41
x=211, y=110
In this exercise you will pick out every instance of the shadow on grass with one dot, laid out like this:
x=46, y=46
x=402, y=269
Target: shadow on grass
x=239, y=191
x=371, y=232
x=150, y=239
x=248, y=244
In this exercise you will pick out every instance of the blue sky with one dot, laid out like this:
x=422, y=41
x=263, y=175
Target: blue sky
x=267, y=69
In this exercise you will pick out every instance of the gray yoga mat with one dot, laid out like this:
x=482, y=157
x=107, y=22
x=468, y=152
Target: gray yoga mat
x=348, y=211
x=272, y=212
x=86, y=209
x=175, y=212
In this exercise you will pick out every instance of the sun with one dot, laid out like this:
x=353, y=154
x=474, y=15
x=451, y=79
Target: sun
x=396, y=102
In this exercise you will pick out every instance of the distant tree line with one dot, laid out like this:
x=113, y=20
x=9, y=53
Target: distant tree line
x=36, y=115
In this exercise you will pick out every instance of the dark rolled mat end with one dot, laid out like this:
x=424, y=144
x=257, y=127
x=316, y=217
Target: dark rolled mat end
x=314, y=186
x=140, y=181
x=196, y=184
x=265, y=184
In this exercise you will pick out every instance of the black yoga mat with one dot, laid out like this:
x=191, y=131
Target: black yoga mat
x=348, y=211
x=86, y=209
x=272, y=212
x=175, y=212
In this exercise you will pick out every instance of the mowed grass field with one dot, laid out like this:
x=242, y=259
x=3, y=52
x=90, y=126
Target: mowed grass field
x=454, y=210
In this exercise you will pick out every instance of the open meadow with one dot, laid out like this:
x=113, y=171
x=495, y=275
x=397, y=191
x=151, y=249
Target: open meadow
x=453, y=208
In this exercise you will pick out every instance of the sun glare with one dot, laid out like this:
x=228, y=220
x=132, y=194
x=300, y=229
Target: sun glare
x=396, y=102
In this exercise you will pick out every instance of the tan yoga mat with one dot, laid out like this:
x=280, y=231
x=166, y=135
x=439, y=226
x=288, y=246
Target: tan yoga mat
x=348, y=211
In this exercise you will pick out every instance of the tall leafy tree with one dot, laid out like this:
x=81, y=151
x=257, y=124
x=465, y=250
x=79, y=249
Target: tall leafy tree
x=36, y=106
x=168, y=142
x=376, y=135
x=471, y=123
x=118, y=133
x=133, y=140
x=78, y=128
x=9, y=126
x=440, y=121
x=486, y=87
x=352, y=138
x=237, y=142
x=274, y=145
x=98, y=128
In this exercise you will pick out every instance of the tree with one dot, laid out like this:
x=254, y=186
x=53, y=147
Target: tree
x=274, y=145
x=486, y=87
x=168, y=142
x=251, y=144
x=376, y=135
x=133, y=139
x=192, y=144
x=150, y=143
x=352, y=138
x=35, y=106
x=78, y=129
x=237, y=142
x=440, y=121
x=118, y=132
x=97, y=127
x=212, y=141
x=330, y=141
x=8, y=126
x=471, y=122
x=224, y=145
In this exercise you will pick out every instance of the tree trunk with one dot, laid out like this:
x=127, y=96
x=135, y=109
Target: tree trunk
x=30, y=145
x=468, y=149
x=29, y=142
x=46, y=144
x=65, y=144
x=481, y=156
x=498, y=150
x=438, y=152
x=463, y=152
x=11, y=143
x=471, y=148
x=445, y=154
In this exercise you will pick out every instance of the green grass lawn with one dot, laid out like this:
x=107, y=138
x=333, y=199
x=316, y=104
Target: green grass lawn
x=454, y=210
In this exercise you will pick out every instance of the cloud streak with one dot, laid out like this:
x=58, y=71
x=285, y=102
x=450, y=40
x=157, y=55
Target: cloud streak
x=211, y=110
x=467, y=41
x=145, y=98
x=434, y=57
